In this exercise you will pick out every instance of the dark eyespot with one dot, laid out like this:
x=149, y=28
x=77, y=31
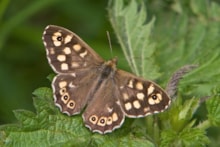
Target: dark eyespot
x=59, y=38
x=63, y=90
x=102, y=121
x=93, y=118
x=154, y=97
x=65, y=97
x=71, y=104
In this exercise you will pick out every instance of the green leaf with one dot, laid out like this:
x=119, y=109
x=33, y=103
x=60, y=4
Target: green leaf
x=187, y=137
x=42, y=138
x=180, y=115
x=47, y=128
x=133, y=33
x=43, y=92
x=26, y=118
x=199, y=8
x=43, y=101
x=186, y=39
x=213, y=108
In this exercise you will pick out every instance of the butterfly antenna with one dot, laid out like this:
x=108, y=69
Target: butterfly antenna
x=109, y=42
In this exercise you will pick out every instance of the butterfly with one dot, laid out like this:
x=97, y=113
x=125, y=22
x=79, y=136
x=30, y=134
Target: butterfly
x=85, y=82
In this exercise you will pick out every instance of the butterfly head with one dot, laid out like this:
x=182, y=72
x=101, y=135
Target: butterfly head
x=112, y=63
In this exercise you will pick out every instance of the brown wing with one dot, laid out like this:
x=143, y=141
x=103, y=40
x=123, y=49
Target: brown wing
x=139, y=97
x=71, y=90
x=76, y=64
x=66, y=52
x=104, y=113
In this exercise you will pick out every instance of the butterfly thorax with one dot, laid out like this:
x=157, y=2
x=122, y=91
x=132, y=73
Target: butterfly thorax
x=108, y=69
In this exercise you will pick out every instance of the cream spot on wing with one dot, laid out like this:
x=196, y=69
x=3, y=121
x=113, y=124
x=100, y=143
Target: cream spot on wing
x=128, y=106
x=93, y=119
x=56, y=34
x=118, y=103
x=57, y=43
x=151, y=101
x=67, y=50
x=62, y=84
x=55, y=37
x=75, y=64
x=51, y=51
x=77, y=47
x=109, y=120
x=146, y=109
x=159, y=96
x=71, y=104
x=73, y=74
x=67, y=39
x=83, y=54
x=65, y=97
x=64, y=66
x=114, y=117
x=125, y=96
x=139, y=86
x=136, y=104
x=71, y=85
x=130, y=84
x=150, y=89
x=61, y=58
x=109, y=109
x=102, y=121
x=140, y=96
x=62, y=91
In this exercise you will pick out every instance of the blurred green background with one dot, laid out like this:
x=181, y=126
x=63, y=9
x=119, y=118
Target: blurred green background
x=23, y=64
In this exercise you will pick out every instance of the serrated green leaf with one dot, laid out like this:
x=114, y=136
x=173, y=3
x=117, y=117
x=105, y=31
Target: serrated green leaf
x=180, y=115
x=50, y=77
x=43, y=92
x=26, y=118
x=126, y=140
x=190, y=42
x=129, y=23
x=199, y=8
x=187, y=137
x=45, y=105
x=43, y=138
x=189, y=108
x=134, y=142
x=213, y=108
x=61, y=129
x=44, y=100
x=73, y=125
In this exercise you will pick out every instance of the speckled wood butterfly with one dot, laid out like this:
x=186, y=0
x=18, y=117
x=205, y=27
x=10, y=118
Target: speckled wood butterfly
x=85, y=80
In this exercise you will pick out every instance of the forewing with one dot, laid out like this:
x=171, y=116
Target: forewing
x=139, y=97
x=66, y=52
x=76, y=64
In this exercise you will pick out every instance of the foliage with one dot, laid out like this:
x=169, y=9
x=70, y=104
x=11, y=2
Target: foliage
x=174, y=33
